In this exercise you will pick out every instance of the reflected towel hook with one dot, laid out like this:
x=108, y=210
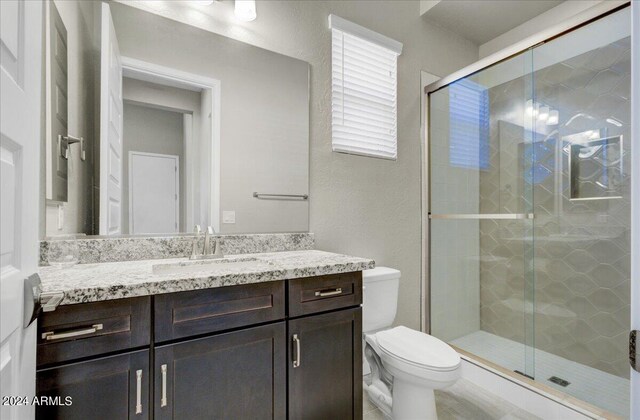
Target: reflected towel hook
x=65, y=141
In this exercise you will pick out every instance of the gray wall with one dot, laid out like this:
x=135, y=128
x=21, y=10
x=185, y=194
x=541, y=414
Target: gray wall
x=264, y=128
x=559, y=14
x=150, y=130
x=360, y=206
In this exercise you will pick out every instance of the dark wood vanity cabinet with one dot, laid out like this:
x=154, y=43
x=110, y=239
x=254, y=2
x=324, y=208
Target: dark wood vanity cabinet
x=274, y=350
x=325, y=366
x=235, y=375
x=113, y=387
x=74, y=332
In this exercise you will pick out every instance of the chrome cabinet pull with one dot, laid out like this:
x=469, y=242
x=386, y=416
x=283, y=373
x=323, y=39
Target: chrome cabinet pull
x=139, y=391
x=329, y=292
x=52, y=335
x=296, y=343
x=163, y=398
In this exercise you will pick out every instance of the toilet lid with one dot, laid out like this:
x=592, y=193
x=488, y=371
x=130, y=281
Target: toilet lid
x=417, y=348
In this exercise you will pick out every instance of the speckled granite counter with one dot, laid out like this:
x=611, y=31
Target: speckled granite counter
x=116, y=280
x=97, y=249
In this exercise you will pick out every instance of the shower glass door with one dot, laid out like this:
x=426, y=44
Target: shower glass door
x=582, y=207
x=529, y=223
x=481, y=214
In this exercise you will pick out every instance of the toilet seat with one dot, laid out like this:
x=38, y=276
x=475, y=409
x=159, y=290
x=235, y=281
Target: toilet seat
x=417, y=349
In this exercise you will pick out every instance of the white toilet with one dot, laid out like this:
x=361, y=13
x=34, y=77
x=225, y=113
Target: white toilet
x=406, y=365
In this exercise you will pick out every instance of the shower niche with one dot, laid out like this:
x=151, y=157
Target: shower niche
x=595, y=168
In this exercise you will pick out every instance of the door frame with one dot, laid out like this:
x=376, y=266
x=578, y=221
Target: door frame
x=426, y=78
x=150, y=72
x=176, y=158
x=635, y=196
x=110, y=176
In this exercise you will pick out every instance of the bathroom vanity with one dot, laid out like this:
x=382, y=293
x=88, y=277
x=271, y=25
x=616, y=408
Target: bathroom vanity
x=274, y=335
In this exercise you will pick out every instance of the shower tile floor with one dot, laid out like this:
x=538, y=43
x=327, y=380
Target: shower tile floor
x=463, y=400
x=594, y=386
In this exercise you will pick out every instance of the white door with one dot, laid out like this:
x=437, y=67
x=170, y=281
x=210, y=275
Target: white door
x=20, y=101
x=110, y=128
x=635, y=201
x=153, y=193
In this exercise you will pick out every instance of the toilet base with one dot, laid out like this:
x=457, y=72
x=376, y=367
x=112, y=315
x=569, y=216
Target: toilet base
x=411, y=402
x=379, y=395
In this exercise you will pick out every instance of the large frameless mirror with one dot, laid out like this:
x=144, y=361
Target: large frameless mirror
x=154, y=126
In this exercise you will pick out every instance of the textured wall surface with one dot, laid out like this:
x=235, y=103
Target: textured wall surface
x=360, y=206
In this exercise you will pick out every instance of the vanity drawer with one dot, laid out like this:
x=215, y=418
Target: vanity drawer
x=89, y=329
x=186, y=314
x=324, y=293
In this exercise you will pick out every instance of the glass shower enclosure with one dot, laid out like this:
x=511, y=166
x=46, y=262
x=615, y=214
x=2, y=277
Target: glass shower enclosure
x=529, y=213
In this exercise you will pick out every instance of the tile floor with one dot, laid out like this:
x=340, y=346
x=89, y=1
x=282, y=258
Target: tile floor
x=594, y=386
x=463, y=401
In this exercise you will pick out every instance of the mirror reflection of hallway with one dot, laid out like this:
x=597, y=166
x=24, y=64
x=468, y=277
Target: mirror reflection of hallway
x=153, y=193
x=154, y=171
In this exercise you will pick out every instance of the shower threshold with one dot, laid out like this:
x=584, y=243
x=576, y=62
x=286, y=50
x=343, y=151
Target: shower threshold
x=593, y=386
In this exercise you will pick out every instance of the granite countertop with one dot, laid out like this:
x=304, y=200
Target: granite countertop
x=116, y=280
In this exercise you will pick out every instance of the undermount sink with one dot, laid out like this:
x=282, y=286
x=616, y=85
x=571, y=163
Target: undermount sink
x=206, y=265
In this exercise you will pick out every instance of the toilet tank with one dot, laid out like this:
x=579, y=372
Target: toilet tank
x=380, y=298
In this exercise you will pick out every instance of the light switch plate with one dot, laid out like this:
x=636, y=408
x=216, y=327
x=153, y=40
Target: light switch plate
x=228, y=216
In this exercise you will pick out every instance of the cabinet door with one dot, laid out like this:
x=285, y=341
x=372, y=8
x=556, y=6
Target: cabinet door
x=325, y=366
x=109, y=388
x=236, y=375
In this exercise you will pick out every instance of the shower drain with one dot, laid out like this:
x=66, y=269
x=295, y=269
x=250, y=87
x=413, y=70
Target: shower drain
x=559, y=381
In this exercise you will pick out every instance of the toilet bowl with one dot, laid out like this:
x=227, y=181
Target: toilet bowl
x=406, y=365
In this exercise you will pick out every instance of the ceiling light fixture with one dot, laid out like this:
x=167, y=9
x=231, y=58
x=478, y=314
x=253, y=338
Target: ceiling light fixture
x=554, y=117
x=544, y=113
x=245, y=10
x=529, y=107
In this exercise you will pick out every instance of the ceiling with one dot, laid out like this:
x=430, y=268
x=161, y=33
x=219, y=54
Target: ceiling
x=482, y=20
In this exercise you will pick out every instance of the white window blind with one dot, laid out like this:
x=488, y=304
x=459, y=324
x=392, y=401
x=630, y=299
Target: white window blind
x=364, y=90
x=468, y=125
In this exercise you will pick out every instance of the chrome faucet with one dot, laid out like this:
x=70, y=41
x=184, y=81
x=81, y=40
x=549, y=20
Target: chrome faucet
x=207, y=249
x=207, y=245
x=194, y=245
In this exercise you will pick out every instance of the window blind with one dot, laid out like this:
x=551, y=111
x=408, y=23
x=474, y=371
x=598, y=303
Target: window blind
x=468, y=125
x=364, y=90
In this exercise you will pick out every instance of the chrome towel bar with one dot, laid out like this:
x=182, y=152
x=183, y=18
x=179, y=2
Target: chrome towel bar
x=264, y=195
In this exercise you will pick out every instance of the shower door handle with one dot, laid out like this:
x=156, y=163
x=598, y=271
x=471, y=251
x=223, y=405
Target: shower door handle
x=634, y=350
